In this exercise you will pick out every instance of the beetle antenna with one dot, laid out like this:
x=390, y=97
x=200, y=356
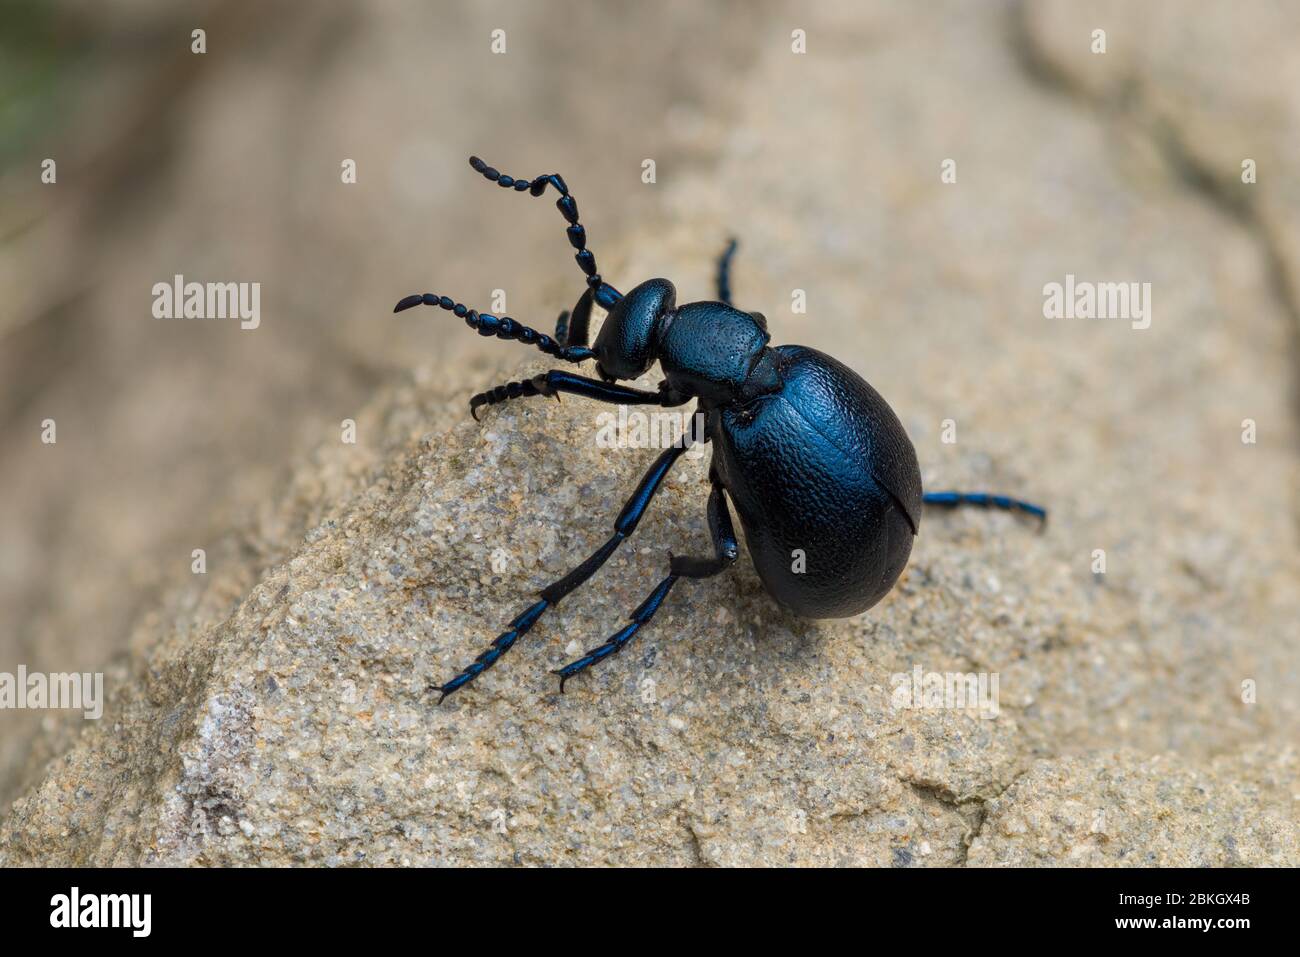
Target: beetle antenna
x=503, y=327
x=605, y=294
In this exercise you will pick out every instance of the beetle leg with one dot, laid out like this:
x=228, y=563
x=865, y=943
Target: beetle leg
x=562, y=328
x=984, y=500
x=571, y=328
x=555, y=381
x=551, y=595
x=725, y=551
x=576, y=328
x=724, y=272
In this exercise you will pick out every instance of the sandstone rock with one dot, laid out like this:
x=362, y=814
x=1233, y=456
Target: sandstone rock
x=1124, y=809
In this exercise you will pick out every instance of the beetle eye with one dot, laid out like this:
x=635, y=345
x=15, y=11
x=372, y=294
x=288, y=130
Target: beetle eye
x=760, y=319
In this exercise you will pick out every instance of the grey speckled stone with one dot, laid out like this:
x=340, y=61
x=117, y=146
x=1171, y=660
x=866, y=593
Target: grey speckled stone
x=1123, y=809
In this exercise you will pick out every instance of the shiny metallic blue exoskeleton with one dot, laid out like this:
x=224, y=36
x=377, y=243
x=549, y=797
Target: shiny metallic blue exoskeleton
x=815, y=462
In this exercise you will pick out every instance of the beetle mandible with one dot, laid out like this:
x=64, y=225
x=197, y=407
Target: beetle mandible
x=810, y=455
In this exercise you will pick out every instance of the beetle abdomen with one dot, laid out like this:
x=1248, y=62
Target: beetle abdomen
x=826, y=484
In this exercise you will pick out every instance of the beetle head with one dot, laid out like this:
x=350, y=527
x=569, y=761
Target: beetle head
x=628, y=343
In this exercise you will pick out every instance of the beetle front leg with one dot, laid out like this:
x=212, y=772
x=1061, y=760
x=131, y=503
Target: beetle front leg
x=571, y=329
x=555, y=381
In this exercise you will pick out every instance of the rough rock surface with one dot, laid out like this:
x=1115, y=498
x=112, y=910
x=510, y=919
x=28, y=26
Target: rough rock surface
x=1120, y=808
x=278, y=712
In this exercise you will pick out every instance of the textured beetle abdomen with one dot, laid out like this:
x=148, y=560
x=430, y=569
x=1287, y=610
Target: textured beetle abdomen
x=826, y=485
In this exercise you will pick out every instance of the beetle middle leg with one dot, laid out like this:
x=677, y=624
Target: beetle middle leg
x=725, y=552
x=724, y=272
x=551, y=595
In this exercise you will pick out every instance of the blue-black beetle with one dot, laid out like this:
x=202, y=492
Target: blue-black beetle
x=816, y=463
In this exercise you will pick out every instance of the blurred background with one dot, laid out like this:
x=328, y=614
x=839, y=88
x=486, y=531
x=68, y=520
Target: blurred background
x=226, y=166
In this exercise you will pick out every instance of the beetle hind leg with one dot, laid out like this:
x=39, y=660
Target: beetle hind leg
x=725, y=552
x=984, y=500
